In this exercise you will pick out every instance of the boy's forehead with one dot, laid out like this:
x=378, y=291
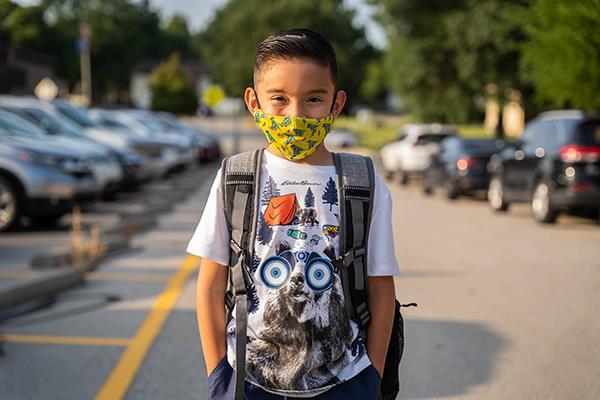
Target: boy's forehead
x=299, y=75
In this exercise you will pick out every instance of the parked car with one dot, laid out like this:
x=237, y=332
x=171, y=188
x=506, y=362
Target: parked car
x=555, y=166
x=210, y=148
x=42, y=115
x=176, y=152
x=40, y=180
x=106, y=168
x=461, y=166
x=341, y=138
x=151, y=151
x=410, y=154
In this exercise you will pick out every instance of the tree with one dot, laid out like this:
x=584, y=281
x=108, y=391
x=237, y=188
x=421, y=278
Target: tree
x=309, y=199
x=330, y=195
x=562, y=55
x=253, y=299
x=264, y=232
x=229, y=42
x=171, y=89
x=269, y=191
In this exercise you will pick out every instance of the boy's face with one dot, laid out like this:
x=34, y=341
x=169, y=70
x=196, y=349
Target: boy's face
x=296, y=88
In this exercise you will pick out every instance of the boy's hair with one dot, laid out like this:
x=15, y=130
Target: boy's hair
x=299, y=43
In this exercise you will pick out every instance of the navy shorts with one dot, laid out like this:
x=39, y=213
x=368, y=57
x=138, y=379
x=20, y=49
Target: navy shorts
x=364, y=386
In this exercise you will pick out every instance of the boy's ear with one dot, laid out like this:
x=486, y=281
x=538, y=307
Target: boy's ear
x=251, y=100
x=338, y=103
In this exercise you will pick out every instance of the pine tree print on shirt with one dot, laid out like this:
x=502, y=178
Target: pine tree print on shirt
x=330, y=195
x=264, y=233
x=253, y=300
x=309, y=199
x=270, y=190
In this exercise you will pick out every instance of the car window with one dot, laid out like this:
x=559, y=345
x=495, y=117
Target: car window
x=20, y=126
x=76, y=115
x=431, y=138
x=588, y=133
x=486, y=146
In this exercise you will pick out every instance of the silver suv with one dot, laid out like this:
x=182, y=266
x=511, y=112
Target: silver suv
x=40, y=180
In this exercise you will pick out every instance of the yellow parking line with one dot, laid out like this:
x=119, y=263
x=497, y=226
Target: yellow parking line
x=122, y=375
x=68, y=340
x=109, y=276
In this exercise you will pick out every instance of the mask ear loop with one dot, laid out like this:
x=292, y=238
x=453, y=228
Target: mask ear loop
x=256, y=96
x=333, y=102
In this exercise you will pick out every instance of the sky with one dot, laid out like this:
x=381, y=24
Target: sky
x=200, y=12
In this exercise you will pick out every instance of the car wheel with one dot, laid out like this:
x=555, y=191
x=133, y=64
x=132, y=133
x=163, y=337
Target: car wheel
x=495, y=195
x=451, y=191
x=426, y=184
x=10, y=211
x=403, y=178
x=540, y=205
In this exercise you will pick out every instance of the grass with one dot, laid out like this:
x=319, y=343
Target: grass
x=382, y=129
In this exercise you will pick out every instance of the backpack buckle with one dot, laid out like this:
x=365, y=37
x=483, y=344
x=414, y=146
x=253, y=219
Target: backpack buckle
x=348, y=258
x=236, y=247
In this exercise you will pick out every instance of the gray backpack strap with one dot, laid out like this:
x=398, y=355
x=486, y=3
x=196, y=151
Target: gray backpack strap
x=355, y=184
x=240, y=182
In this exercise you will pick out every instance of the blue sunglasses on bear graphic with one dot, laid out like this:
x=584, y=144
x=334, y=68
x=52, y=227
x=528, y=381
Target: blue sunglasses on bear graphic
x=318, y=273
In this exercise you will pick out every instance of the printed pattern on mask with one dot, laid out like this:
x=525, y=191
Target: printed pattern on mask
x=294, y=137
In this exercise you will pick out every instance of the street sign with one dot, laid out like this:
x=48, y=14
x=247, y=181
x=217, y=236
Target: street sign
x=46, y=89
x=213, y=95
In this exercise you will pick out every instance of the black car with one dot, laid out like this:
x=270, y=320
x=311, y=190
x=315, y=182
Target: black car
x=461, y=166
x=555, y=166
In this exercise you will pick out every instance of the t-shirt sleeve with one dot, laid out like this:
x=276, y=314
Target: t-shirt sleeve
x=211, y=237
x=381, y=257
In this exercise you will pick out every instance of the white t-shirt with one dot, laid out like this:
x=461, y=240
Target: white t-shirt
x=300, y=339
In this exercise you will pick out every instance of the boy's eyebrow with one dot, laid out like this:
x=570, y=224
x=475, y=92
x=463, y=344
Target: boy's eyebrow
x=320, y=90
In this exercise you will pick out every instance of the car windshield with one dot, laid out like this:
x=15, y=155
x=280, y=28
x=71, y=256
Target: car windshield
x=76, y=115
x=19, y=126
x=54, y=124
x=149, y=123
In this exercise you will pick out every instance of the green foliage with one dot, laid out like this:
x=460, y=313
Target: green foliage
x=229, y=42
x=374, y=87
x=122, y=33
x=171, y=89
x=562, y=55
x=443, y=54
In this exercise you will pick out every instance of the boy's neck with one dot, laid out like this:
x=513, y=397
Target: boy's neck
x=321, y=156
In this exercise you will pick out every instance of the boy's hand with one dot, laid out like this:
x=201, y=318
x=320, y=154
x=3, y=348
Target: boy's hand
x=381, y=306
x=210, y=311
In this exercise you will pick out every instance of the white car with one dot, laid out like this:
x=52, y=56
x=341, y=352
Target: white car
x=411, y=153
x=341, y=138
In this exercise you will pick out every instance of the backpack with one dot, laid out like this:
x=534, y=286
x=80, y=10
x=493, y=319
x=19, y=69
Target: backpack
x=240, y=180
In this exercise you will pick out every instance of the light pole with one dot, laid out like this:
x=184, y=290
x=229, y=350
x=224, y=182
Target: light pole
x=83, y=46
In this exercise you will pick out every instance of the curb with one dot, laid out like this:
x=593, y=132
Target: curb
x=40, y=287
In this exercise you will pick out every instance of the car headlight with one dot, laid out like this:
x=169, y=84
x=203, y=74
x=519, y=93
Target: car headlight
x=64, y=163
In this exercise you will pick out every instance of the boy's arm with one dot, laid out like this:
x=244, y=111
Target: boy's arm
x=210, y=311
x=381, y=306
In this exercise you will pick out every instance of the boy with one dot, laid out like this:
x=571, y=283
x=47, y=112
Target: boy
x=301, y=342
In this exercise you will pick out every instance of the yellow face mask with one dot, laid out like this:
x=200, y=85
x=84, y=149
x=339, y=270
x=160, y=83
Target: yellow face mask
x=294, y=137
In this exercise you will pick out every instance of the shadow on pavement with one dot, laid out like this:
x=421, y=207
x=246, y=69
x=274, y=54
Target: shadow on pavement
x=447, y=358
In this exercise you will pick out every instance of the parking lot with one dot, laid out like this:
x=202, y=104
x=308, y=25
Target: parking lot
x=503, y=303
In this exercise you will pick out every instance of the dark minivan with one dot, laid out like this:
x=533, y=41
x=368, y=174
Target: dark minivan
x=461, y=166
x=555, y=166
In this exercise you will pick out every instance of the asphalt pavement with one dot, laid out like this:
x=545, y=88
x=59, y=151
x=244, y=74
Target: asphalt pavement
x=506, y=308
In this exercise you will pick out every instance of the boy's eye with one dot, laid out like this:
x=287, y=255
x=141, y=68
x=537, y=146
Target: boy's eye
x=315, y=100
x=278, y=99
